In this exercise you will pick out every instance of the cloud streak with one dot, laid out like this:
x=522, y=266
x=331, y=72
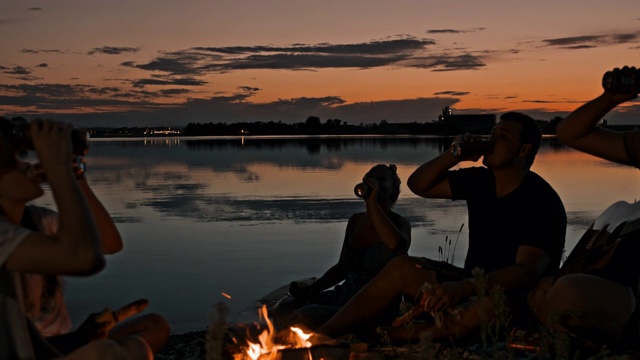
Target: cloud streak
x=453, y=31
x=159, y=95
x=452, y=93
x=113, y=50
x=404, y=51
x=591, y=41
x=48, y=51
x=42, y=98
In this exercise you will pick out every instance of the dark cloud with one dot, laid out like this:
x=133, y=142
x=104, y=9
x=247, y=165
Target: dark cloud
x=49, y=97
x=578, y=47
x=590, y=41
x=249, y=89
x=446, y=63
x=626, y=38
x=311, y=61
x=453, y=31
x=306, y=103
x=28, y=78
x=113, y=50
x=381, y=47
x=574, y=40
x=399, y=52
x=17, y=70
x=452, y=92
x=546, y=101
x=178, y=63
x=168, y=80
x=19, y=73
x=37, y=51
x=171, y=92
x=139, y=108
x=446, y=31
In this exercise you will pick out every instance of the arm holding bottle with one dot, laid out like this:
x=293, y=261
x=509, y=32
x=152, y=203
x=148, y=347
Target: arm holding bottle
x=580, y=131
x=393, y=236
x=75, y=248
x=430, y=179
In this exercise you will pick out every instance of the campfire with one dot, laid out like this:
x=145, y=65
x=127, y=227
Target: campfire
x=289, y=344
x=266, y=348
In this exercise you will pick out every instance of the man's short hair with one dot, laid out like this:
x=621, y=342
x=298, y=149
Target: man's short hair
x=530, y=134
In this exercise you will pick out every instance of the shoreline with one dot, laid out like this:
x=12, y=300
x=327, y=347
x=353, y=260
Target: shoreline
x=192, y=345
x=187, y=345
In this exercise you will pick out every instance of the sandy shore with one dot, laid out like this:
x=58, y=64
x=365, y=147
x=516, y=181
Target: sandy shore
x=187, y=346
x=192, y=346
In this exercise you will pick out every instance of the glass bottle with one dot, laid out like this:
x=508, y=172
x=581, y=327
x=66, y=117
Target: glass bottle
x=462, y=149
x=621, y=81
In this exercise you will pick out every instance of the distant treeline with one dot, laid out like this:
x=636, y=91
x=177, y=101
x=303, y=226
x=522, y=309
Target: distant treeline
x=313, y=126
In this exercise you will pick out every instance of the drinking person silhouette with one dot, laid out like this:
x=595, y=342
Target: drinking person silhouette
x=37, y=245
x=516, y=235
x=599, y=305
x=371, y=239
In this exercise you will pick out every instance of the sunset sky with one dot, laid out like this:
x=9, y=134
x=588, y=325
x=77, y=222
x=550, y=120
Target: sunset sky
x=171, y=62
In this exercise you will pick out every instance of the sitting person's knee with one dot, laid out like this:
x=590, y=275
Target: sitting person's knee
x=564, y=293
x=156, y=331
x=136, y=347
x=99, y=350
x=158, y=323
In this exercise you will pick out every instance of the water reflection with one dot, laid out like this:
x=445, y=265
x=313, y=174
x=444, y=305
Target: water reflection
x=205, y=216
x=291, y=178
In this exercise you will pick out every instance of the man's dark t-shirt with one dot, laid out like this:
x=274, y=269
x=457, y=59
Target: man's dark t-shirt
x=531, y=215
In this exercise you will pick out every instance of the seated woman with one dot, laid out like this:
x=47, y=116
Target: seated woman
x=568, y=303
x=372, y=238
x=32, y=241
x=44, y=293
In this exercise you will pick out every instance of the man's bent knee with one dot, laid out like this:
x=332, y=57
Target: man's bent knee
x=136, y=347
x=99, y=350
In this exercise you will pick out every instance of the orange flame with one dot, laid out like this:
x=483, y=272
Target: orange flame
x=267, y=349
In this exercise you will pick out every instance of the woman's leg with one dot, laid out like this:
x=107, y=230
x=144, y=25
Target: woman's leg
x=134, y=348
x=401, y=275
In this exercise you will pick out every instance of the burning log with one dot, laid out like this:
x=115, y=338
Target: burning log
x=261, y=342
x=327, y=352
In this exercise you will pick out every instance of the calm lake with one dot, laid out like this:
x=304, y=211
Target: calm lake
x=205, y=216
